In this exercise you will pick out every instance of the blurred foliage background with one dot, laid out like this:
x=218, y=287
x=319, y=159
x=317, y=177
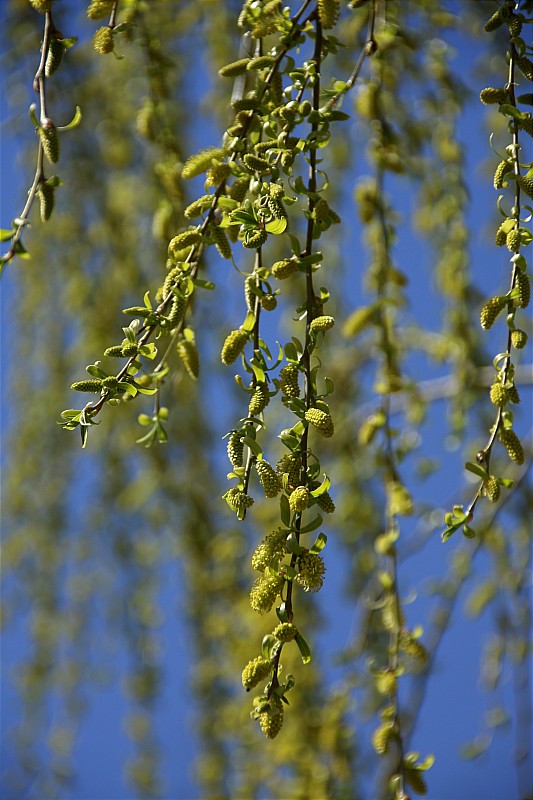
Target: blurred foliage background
x=121, y=565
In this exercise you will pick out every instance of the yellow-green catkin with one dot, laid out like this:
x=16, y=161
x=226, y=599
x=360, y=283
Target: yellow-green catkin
x=512, y=444
x=501, y=235
x=256, y=163
x=492, y=95
x=494, y=21
x=259, y=400
x=56, y=51
x=284, y=269
x=199, y=206
x=322, y=324
x=325, y=502
x=234, y=69
x=89, y=385
x=273, y=544
x=289, y=380
x=290, y=465
x=526, y=184
x=99, y=8
x=237, y=500
x=321, y=421
x=299, y=499
x=271, y=720
x=523, y=288
x=285, y=632
x=499, y=394
x=41, y=5
x=201, y=161
x=221, y=241
x=328, y=12
x=46, y=200
x=235, y=449
x=358, y=320
x=412, y=646
x=268, y=478
x=382, y=736
x=188, y=353
x=269, y=302
x=233, y=346
x=103, y=41
x=255, y=239
x=416, y=780
x=255, y=672
x=50, y=140
x=526, y=67
x=513, y=240
x=264, y=592
x=518, y=339
x=492, y=488
x=311, y=569
x=501, y=171
x=491, y=311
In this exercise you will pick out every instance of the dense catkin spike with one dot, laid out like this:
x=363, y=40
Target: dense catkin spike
x=525, y=66
x=177, y=311
x=216, y=174
x=114, y=352
x=271, y=720
x=239, y=188
x=201, y=161
x=264, y=591
x=234, y=69
x=518, y=339
x=499, y=394
x=46, y=200
x=235, y=449
x=382, y=736
x=221, y=241
x=41, y=5
x=514, y=397
x=290, y=465
x=328, y=12
x=259, y=400
x=171, y=280
x=99, y=8
x=501, y=171
x=285, y=632
x=233, y=346
x=412, y=646
x=249, y=284
x=130, y=349
x=256, y=163
x=492, y=489
x=56, y=51
x=501, y=235
x=111, y=383
x=89, y=385
x=198, y=207
x=260, y=63
x=255, y=239
x=276, y=88
x=182, y=240
x=358, y=320
x=268, y=478
x=289, y=380
x=311, y=569
x=321, y=421
x=491, y=311
x=299, y=499
x=514, y=24
x=492, y=95
x=49, y=139
x=284, y=269
x=494, y=21
x=254, y=672
x=322, y=324
x=513, y=240
x=325, y=502
x=274, y=544
x=103, y=41
x=188, y=353
x=512, y=444
x=523, y=289
x=526, y=184
x=246, y=104
x=238, y=500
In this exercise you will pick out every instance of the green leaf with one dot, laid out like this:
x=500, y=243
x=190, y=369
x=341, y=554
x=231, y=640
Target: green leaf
x=507, y=482
x=203, y=284
x=315, y=523
x=276, y=226
x=477, y=469
x=249, y=322
x=6, y=234
x=293, y=545
x=254, y=446
x=291, y=353
x=143, y=389
x=324, y=486
x=469, y=532
x=285, y=510
x=144, y=419
x=320, y=543
x=445, y=535
x=267, y=644
x=304, y=648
